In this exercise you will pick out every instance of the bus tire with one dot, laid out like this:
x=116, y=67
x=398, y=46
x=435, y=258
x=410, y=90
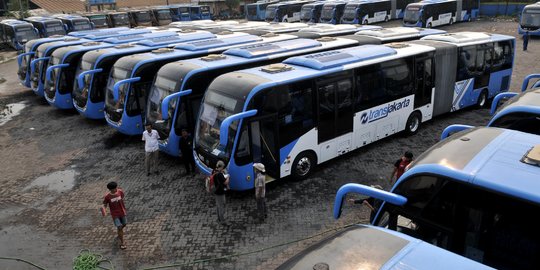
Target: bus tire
x=303, y=165
x=413, y=123
x=429, y=25
x=482, y=99
x=365, y=22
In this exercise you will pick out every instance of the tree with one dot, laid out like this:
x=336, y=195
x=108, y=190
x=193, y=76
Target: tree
x=18, y=9
x=232, y=5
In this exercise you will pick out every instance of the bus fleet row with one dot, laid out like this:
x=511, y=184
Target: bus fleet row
x=426, y=13
x=295, y=100
x=17, y=32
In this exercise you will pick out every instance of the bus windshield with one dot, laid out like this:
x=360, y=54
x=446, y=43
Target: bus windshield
x=120, y=19
x=327, y=13
x=117, y=74
x=143, y=17
x=99, y=20
x=24, y=33
x=531, y=18
x=215, y=108
x=305, y=12
x=163, y=14
x=349, y=13
x=79, y=25
x=271, y=12
x=205, y=9
x=161, y=89
x=252, y=10
x=412, y=15
x=82, y=90
x=520, y=121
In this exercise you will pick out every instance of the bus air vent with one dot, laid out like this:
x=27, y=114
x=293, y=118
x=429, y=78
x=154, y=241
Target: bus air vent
x=123, y=46
x=269, y=35
x=225, y=33
x=93, y=43
x=532, y=157
x=163, y=50
x=213, y=57
x=398, y=45
x=187, y=31
x=276, y=68
x=326, y=39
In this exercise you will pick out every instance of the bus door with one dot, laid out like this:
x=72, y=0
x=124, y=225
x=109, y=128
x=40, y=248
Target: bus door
x=264, y=141
x=335, y=111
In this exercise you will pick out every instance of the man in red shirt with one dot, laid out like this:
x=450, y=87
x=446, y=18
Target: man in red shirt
x=400, y=166
x=115, y=200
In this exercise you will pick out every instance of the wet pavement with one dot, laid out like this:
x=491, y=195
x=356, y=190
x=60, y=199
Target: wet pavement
x=54, y=167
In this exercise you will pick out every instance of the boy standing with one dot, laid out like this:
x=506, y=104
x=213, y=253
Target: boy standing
x=400, y=166
x=115, y=200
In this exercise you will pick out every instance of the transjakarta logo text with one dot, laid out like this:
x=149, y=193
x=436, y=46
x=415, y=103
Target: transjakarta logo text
x=376, y=114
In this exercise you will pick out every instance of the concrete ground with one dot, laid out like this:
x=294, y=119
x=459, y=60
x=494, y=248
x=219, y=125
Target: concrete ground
x=54, y=166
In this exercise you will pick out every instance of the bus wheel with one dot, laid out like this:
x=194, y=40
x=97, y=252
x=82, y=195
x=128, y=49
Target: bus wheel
x=365, y=22
x=451, y=21
x=482, y=99
x=303, y=165
x=413, y=123
x=429, y=25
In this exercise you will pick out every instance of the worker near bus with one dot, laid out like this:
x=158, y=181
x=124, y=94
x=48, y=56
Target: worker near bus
x=260, y=190
x=221, y=180
x=371, y=203
x=150, y=137
x=400, y=166
x=115, y=201
x=186, y=148
x=525, y=40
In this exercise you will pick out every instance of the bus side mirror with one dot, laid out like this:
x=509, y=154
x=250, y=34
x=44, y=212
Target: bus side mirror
x=224, y=128
x=497, y=100
x=526, y=81
x=167, y=99
x=65, y=27
x=116, y=87
x=453, y=129
x=376, y=193
x=92, y=25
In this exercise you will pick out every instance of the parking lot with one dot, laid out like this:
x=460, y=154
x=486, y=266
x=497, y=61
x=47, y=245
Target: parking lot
x=54, y=167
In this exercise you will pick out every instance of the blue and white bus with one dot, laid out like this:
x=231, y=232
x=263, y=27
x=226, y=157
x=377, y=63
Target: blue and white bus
x=30, y=48
x=16, y=33
x=311, y=13
x=139, y=18
x=257, y=11
x=61, y=70
x=180, y=13
x=370, y=247
x=469, y=194
x=116, y=19
x=432, y=13
x=530, y=20
x=44, y=52
x=287, y=11
x=372, y=11
x=200, y=12
x=283, y=27
x=47, y=26
x=131, y=78
x=330, y=30
x=314, y=108
x=93, y=70
x=187, y=80
x=74, y=22
x=332, y=11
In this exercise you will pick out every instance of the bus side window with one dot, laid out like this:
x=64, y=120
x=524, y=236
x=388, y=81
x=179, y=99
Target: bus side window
x=369, y=90
x=296, y=114
x=243, y=149
x=466, y=63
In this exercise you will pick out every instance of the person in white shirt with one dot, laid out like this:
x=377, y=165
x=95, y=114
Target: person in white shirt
x=150, y=137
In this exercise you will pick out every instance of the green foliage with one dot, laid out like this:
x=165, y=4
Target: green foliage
x=232, y=4
x=18, y=9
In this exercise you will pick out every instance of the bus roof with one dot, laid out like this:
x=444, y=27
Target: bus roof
x=370, y=247
x=529, y=99
x=283, y=27
x=399, y=32
x=329, y=29
x=467, y=38
x=486, y=157
x=178, y=38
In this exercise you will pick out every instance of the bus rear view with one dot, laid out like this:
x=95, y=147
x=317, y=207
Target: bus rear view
x=530, y=19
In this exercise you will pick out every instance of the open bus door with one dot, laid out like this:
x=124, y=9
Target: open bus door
x=264, y=141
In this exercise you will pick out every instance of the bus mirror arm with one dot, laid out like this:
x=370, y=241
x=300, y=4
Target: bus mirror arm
x=20, y=57
x=167, y=99
x=375, y=193
x=51, y=68
x=526, y=81
x=498, y=98
x=116, y=88
x=224, y=128
x=451, y=129
x=34, y=63
x=80, y=79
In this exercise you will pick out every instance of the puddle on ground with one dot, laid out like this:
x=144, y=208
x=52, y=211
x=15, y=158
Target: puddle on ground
x=11, y=111
x=57, y=181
